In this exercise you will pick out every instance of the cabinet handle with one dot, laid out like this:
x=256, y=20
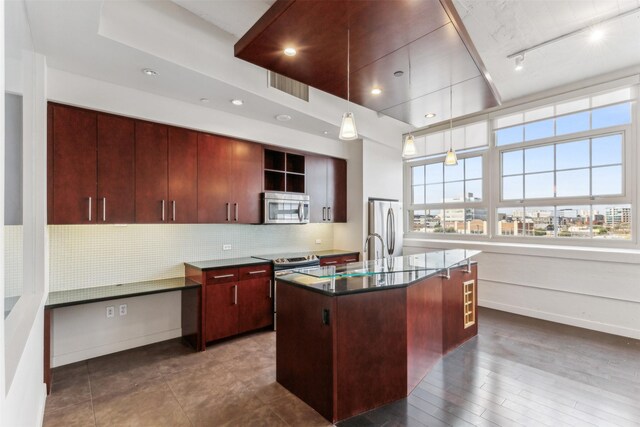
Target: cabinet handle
x=173, y=210
x=90, y=209
x=331, y=262
x=235, y=294
x=162, y=207
x=223, y=276
x=257, y=271
x=235, y=205
x=104, y=209
x=329, y=213
x=270, y=291
x=350, y=260
x=228, y=213
x=324, y=213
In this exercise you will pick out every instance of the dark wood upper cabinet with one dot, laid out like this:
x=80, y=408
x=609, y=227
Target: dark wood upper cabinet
x=337, y=189
x=229, y=180
x=327, y=188
x=183, y=176
x=151, y=173
x=246, y=178
x=74, y=178
x=116, y=148
x=106, y=169
x=316, y=180
x=214, y=168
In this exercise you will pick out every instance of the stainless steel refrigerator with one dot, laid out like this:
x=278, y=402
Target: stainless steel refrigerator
x=385, y=219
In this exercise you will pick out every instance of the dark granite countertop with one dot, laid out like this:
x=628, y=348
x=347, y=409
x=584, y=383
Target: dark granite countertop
x=367, y=276
x=221, y=263
x=334, y=252
x=103, y=293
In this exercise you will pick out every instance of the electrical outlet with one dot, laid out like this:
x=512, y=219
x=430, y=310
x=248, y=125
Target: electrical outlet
x=123, y=309
x=226, y=247
x=318, y=241
x=111, y=311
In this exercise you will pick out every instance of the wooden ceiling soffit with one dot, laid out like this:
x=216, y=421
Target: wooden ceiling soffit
x=424, y=39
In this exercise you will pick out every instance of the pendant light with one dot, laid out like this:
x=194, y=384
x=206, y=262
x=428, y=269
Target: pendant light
x=451, y=159
x=409, y=148
x=348, y=130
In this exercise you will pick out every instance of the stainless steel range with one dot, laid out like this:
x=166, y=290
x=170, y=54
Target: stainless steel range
x=285, y=264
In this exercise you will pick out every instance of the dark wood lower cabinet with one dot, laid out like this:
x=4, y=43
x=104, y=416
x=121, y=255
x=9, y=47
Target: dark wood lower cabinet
x=221, y=311
x=255, y=304
x=236, y=299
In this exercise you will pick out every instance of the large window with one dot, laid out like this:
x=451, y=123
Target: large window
x=448, y=199
x=551, y=172
x=578, y=168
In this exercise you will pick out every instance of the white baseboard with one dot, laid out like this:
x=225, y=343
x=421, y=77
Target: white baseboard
x=77, y=356
x=559, y=318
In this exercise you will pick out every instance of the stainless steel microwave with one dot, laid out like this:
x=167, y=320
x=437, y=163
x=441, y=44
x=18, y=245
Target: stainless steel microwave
x=285, y=208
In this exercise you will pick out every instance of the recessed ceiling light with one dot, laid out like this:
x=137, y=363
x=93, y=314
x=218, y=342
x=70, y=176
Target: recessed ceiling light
x=430, y=115
x=237, y=102
x=283, y=117
x=399, y=73
x=149, y=72
x=290, y=51
x=325, y=132
x=204, y=100
x=596, y=35
x=519, y=61
x=376, y=91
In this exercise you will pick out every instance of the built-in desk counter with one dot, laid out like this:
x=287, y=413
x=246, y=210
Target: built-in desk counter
x=191, y=301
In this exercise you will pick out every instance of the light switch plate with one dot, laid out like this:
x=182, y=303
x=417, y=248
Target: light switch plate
x=226, y=247
x=318, y=241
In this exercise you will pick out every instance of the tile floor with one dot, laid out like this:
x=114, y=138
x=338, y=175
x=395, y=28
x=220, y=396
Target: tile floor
x=168, y=384
x=518, y=371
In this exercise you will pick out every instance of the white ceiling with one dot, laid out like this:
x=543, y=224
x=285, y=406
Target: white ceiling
x=499, y=28
x=233, y=16
x=190, y=42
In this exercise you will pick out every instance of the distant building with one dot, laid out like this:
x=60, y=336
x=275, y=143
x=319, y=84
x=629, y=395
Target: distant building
x=617, y=215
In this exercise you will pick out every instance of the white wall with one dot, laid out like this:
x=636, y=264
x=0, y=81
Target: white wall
x=596, y=290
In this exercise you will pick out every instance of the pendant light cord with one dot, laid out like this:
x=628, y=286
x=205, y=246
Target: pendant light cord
x=451, y=116
x=348, y=65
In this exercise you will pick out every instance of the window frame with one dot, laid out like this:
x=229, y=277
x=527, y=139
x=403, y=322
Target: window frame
x=492, y=172
x=481, y=152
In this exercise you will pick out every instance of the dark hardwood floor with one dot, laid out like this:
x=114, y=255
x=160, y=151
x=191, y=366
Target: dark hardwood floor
x=524, y=371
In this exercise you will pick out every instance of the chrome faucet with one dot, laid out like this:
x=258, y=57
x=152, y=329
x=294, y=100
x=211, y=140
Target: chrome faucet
x=366, y=243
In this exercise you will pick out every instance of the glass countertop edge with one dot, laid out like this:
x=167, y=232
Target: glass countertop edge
x=405, y=263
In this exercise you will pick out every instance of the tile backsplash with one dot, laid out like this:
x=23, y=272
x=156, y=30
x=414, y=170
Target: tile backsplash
x=96, y=255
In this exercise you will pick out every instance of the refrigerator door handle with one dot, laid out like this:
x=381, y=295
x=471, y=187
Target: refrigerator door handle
x=390, y=225
x=393, y=231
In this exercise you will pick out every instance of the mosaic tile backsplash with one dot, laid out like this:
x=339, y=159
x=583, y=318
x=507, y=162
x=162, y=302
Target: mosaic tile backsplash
x=96, y=255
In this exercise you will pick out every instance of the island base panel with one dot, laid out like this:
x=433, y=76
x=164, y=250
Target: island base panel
x=424, y=329
x=304, y=342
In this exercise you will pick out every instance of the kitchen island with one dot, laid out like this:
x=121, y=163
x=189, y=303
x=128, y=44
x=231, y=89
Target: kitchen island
x=354, y=337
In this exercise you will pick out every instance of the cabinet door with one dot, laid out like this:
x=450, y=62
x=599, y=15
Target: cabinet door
x=255, y=304
x=337, y=190
x=74, y=166
x=214, y=169
x=221, y=311
x=151, y=172
x=246, y=182
x=183, y=176
x=116, y=144
x=316, y=183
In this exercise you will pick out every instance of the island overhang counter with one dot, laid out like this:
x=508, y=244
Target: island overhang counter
x=354, y=337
